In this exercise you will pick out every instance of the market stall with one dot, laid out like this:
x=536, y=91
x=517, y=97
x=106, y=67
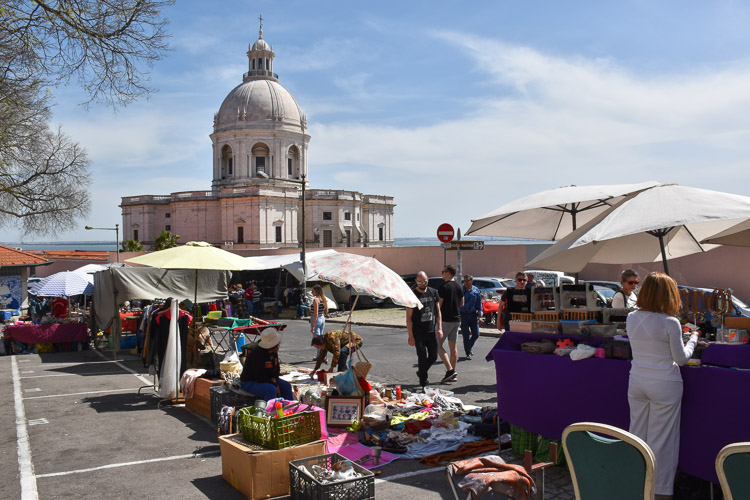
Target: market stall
x=544, y=393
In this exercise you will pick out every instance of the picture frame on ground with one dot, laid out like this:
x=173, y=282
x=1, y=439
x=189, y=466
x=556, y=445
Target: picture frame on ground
x=342, y=411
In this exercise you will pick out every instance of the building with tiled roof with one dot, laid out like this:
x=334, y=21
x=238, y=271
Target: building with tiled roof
x=15, y=268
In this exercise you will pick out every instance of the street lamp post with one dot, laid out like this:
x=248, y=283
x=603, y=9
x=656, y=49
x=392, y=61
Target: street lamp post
x=116, y=229
x=303, y=183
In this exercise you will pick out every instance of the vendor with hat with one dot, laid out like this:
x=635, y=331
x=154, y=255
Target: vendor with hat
x=260, y=375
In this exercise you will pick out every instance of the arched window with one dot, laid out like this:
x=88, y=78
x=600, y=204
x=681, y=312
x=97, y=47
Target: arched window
x=292, y=162
x=227, y=162
x=261, y=153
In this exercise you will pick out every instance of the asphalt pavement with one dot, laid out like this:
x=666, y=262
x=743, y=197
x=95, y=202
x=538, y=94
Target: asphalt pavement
x=78, y=427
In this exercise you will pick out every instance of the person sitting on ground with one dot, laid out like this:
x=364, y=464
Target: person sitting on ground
x=336, y=342
x=627, y=297
x=260, y=375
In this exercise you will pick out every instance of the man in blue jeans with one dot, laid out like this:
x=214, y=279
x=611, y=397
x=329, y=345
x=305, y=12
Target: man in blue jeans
x=470, y=313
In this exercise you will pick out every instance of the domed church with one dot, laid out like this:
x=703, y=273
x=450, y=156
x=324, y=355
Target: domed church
x=259, y=197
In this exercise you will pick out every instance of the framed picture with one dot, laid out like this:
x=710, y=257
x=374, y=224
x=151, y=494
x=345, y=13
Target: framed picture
x=342, y=411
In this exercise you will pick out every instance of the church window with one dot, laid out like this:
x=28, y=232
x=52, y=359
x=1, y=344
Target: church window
x=347, y=216
x=226, y=161
x=326, y=215
x=240, y=234
x=135, y=234
x=327, y=238
x=289, y=166
x=167, y=227
x=260, y=63
x=266, y=64
x=278, y=234
x=253, y=64
x=167, y=215
x=261, y=154
x=260, y=164
x=380, y=234
x=229, y=166
x=293, y=161
x=348, y=237
x=357, y=216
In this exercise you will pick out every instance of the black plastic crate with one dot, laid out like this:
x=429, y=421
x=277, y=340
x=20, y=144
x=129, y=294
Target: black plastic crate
x=302, y=486
x=221, y=397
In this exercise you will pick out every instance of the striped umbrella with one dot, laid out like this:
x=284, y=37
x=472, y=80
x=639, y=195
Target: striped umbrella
x=64, y=284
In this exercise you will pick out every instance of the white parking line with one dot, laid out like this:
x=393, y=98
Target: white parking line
x=80, y=393
x=128, y=369
x=73, y=374
x=25, y=465
x=405, y=474
x=125, y=464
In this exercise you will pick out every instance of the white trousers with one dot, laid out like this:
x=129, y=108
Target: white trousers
x=655, y=417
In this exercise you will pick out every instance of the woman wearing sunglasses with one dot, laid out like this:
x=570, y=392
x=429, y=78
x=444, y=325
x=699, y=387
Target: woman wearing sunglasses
x=627, y=297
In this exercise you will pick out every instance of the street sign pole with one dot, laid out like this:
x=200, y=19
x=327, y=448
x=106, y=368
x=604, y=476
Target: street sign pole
x=445, y=235
x=458, y=257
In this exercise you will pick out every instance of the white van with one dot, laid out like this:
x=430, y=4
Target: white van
x=551, y=278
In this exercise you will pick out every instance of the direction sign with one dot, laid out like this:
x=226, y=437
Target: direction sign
x=464, y=245
x=445, y=232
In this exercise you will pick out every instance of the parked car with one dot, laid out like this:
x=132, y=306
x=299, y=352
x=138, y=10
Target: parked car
x=605, y=294
x=493, y=287
x=614, y=285
x=740, y=308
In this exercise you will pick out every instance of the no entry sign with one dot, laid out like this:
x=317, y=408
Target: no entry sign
x=445, y=232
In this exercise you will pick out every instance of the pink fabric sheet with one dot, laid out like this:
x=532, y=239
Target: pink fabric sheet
x=347, y=445
x=42, y=334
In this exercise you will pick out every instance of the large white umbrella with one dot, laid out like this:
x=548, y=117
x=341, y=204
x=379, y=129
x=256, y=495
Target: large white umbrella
x=665, y=221
x=737, y=236
x=195, y=255
x=64, y=284
x=365, y=275
x=553, y=214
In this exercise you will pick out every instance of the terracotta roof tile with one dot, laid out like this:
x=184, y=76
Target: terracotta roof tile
x=12, y=257
x=89, y=255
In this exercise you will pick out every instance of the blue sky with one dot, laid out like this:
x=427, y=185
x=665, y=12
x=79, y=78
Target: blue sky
x=453, y=110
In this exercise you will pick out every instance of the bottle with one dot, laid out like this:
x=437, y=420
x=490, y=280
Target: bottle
x=398, y=392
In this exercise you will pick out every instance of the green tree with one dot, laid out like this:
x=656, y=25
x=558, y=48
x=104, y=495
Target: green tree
x=132, y=246
x=165, y=240
x=105, y=45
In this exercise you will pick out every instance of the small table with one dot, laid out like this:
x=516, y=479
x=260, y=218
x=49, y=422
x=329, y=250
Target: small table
x=48, y=333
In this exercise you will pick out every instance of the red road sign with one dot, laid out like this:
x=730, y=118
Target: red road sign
x=445, y=232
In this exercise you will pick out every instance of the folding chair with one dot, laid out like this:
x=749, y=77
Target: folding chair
x=732, y=466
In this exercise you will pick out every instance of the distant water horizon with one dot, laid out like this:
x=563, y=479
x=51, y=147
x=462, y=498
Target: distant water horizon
x=111, y=246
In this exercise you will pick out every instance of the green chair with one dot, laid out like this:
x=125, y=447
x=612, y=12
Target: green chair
x=618, y=467
x=732, y=466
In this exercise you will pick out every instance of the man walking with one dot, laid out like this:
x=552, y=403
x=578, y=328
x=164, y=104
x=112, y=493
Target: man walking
x=424, y=327
x=508, y=297
x=451, y=301
x=470, y=313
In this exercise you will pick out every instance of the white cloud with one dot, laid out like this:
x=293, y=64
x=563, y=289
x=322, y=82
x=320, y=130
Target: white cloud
x=550, y=121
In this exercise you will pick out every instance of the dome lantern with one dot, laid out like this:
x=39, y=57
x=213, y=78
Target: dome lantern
x=260, y=59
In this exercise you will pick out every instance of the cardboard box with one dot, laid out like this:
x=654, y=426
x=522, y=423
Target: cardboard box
x=258, y=472
x=200, y=403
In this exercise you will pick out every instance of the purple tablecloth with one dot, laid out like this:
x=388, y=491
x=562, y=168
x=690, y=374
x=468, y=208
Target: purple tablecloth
x=545, y=393
x=42, y=334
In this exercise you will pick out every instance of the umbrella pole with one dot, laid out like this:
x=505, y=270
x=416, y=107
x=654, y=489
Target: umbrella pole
x=663, y=253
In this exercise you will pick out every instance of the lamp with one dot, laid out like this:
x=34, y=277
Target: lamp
x=302, y=182
x=116, y=229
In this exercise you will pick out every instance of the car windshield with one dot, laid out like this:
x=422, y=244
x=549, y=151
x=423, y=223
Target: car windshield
x=605, y=291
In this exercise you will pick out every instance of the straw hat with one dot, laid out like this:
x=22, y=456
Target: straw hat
x=269, y=338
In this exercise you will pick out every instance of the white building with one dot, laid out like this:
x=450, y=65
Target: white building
x=260, y=147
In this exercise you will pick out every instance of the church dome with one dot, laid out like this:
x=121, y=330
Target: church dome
x=260, y=44
x=258, y=101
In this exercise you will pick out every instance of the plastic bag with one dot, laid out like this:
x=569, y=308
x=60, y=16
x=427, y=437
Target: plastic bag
x=347, y=382
x=582, y=351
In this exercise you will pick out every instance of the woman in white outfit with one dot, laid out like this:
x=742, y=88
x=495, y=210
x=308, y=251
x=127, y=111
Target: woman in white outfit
x=655, y=387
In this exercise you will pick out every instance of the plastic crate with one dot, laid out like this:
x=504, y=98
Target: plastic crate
x=283, y=432
x=547, y=316
x=548, y=327
x=578, y=315
x=574, y=327
x=303, y=486
x=221, y=397
x=598, y=330
x=525, y=317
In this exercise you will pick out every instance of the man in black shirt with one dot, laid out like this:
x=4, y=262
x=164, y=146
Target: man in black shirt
x=451, y=302
x=508, y=297
x=424, y=327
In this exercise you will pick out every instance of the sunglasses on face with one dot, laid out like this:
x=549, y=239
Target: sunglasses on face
x=421, y=282
x=521, y=279
x=636, y=282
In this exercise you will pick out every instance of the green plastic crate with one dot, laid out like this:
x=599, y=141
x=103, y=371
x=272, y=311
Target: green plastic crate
x=278, y=433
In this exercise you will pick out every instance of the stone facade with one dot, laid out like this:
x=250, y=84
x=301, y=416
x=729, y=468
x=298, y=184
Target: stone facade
x=260, y=147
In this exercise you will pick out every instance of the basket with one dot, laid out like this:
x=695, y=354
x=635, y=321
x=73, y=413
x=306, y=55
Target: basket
x=361, y=368
x=547, y=316
x=221, y=397
x=303, y=486
x=283, y=432
x=525, y=317
x=578, y=315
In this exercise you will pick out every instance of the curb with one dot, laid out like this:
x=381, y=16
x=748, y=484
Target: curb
x=484, y=333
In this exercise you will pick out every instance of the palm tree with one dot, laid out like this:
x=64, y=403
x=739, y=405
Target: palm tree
x=132, y=246
x=165, y=240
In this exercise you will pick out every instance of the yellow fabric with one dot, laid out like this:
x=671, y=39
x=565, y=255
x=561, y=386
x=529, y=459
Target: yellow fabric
x=397, y=419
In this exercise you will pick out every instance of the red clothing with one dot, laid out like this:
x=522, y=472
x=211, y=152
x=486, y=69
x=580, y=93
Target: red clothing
x=60, y=307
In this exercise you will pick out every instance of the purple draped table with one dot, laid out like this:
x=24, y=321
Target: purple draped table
x=544, y=393
x=50, y=333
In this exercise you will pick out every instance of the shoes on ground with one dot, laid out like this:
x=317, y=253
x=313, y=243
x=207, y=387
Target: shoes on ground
x=450, y=376
x=469, y=356
x=422, y=381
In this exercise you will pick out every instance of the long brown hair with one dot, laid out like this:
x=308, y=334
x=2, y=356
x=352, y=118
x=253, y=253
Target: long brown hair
x=659, y=294
x=318, y=291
